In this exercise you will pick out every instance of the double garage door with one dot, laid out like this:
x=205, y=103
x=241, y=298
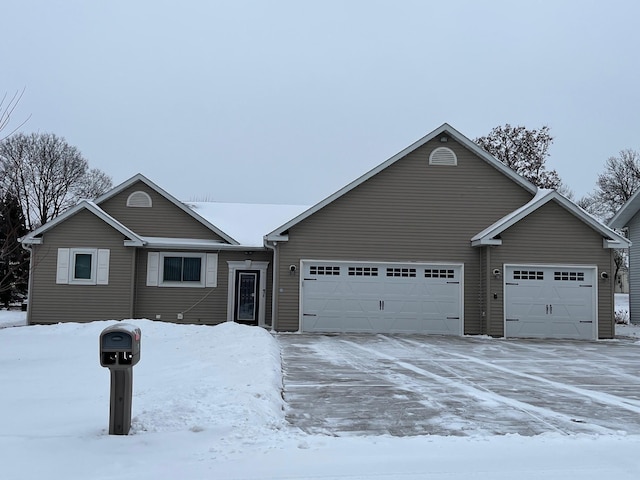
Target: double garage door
x=550, y=302
x=381, y=297
x=539, y=301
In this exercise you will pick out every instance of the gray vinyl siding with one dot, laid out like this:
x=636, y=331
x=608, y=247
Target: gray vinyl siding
x=634, y=269
x=201, y=305
x=52, y=303
x=552, y=235
x=163, y=219
x=411, y=211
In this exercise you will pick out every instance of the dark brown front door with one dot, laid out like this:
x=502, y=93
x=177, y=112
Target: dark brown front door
x=247, y=298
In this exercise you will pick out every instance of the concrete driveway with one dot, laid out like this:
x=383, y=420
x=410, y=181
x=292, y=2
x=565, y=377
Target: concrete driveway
x=405, y=385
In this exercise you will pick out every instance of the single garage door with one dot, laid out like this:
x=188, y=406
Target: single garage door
x=381, y=297
x=550, y=302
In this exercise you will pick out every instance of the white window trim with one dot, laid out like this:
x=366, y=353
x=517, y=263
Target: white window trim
x=99, y=266
x=208, y=269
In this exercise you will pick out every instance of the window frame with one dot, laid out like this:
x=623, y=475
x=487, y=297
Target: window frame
x=188, y=284
x=208, y=269
x=66, y=266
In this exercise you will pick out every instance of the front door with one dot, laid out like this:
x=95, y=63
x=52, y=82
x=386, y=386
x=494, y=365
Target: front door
x=247, y=298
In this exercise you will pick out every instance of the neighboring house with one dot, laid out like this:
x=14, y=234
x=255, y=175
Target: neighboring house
x=627, y=218
x=440, y=239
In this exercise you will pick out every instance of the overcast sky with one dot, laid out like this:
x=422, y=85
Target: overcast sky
x=288, y=101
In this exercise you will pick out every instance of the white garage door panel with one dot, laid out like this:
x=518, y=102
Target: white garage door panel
x=550, y=302
x=381, y=298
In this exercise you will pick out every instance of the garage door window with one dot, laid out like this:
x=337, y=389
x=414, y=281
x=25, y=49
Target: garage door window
x=569, y=276
x=363, y=271
x=438, y=273
x=528, y=275
x=324, y=270
x=401, y=272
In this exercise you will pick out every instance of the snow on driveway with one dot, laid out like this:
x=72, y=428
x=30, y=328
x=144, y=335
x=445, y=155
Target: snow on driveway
x=461, y=386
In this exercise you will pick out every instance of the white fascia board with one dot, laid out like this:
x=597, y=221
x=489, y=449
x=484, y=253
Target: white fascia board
x=608, y=243
x=445, y=128
x=276, y=238
x=486, y=241
x=141, y=178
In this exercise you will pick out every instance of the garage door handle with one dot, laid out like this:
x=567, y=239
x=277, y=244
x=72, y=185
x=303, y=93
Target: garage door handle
x=511, y=283
x=586, y=321
x=309, y=315
x=513, y=319
x=453, y=318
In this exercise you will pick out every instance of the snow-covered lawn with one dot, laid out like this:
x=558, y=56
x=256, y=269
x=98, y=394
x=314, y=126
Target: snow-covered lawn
x=207, y=404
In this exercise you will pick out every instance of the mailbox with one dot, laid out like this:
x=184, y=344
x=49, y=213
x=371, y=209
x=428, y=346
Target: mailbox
x=119, y=352
x=120, y=346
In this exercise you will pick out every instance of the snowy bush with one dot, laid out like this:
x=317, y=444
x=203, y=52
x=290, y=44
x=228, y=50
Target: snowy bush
x=621, y=316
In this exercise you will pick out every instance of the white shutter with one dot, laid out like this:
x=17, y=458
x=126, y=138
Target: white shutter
x=211, y=276
x=62, y=273
x=103, y=267
x=153, y=263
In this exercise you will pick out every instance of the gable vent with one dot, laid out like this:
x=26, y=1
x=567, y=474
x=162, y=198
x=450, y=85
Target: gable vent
x=443, y=156
x=139, y=199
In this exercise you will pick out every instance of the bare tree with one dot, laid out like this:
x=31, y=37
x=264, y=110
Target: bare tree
x=524, y=151
x=616, y=185
x=7, y=107
x=47, y=175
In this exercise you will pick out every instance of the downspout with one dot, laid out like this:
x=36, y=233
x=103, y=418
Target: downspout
x=274, y=282
x=29, y=248
x=488, y=299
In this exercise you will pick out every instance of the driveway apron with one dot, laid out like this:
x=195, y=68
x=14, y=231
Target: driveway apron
x=406, y=385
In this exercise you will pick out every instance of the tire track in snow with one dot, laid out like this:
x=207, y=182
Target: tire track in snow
x=540, y=413
x=606, y=398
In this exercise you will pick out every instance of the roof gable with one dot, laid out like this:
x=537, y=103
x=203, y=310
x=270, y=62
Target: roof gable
x=444, y=130
x=622, y=218
x=35, y=237
x=163, y=193
x=489, y=234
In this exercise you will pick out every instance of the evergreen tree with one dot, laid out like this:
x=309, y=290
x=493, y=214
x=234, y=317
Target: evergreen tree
x=14, y=260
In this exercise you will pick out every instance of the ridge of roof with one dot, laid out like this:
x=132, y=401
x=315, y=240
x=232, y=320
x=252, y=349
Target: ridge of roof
x=445, y=127
x=181, y=205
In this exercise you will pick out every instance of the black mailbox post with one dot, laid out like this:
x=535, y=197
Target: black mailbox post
x=119, y=352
